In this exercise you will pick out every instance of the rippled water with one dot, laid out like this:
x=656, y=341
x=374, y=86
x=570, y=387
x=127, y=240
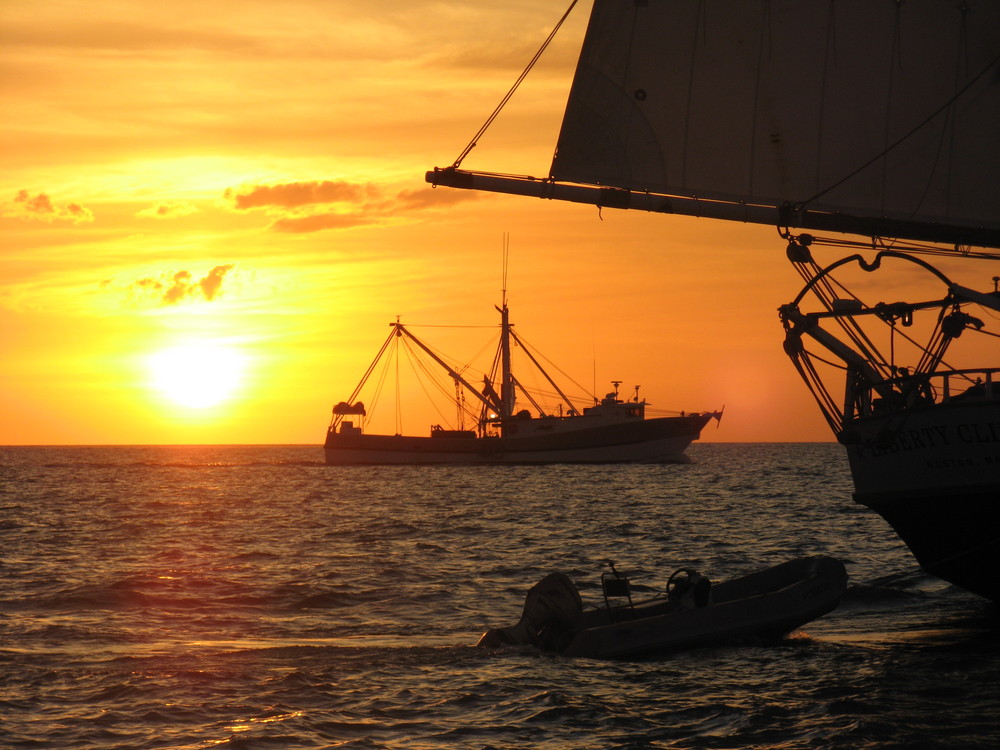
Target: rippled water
x=252, y=597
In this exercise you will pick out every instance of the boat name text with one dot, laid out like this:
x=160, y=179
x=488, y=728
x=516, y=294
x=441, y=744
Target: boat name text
x=933, y=436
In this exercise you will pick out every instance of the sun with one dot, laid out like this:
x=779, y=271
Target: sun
x=197, y=375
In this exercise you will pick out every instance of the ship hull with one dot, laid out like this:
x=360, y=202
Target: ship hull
x=936, y=481
x=649, y=441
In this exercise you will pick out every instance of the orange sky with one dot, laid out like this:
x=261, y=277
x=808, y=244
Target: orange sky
x=248, y=179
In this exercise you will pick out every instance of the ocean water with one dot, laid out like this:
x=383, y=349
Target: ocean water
x=252, y=597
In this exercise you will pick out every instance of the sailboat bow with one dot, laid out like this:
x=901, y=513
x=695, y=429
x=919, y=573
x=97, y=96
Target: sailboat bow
x=875, y=121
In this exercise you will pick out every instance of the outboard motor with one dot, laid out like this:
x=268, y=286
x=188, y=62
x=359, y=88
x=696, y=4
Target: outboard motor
x=551, y=611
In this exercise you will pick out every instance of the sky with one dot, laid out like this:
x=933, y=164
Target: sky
x=210, y=212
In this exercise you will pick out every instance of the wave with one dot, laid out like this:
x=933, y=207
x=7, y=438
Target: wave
x=173, y=464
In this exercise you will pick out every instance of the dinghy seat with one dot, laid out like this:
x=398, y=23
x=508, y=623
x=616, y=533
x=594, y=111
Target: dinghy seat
x=617, y=593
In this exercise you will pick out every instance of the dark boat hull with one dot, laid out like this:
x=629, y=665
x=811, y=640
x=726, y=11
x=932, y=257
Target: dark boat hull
x=537, y=441
x=934, y=475
x=764, y=605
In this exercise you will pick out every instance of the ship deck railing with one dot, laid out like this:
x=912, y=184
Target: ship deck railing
x=926, y=389
x=988, y=378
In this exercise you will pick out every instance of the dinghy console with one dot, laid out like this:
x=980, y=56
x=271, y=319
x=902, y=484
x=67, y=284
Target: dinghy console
x=689, y=588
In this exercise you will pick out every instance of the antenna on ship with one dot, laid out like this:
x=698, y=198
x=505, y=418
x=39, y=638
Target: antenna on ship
x=503, y=268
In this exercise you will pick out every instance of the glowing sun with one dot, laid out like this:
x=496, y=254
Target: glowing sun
x=197, y=375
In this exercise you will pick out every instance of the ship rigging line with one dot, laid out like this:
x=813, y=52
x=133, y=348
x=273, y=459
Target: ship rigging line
x=992, y=64
x=517, y=83
x=877, y=243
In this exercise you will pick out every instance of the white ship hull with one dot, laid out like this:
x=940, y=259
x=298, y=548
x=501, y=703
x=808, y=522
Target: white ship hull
x=934, y=475
x=933, y=449
x=649, y=441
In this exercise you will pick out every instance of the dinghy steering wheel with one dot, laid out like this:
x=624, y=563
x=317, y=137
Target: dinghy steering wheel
x=679, y=582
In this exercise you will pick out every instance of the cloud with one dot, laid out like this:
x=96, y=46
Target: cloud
x=296, y=194
x=211, y=284
x=114, y=35
x=167, y=211
x=179, y=289
x=40, y=204
x=301, y=207
x=39, y=207
x=429, y=197
x=173, y=288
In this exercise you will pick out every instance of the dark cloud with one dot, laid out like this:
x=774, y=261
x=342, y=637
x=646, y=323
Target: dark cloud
x=302, y=207
x=167, y=211
x=430, y=197
x=296, y=194
x=39, y=204
x=181, y=285
x=40, y=207
x=211, y=284
x=179, y=289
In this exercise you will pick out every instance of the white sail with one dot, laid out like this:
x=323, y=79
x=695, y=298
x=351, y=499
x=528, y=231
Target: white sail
x=875, y=116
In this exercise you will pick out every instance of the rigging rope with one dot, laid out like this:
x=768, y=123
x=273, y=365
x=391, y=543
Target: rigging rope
x=975, y=79
x=517, y=83
x=418, y=364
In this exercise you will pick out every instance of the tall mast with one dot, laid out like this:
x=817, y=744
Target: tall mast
x=506, y=380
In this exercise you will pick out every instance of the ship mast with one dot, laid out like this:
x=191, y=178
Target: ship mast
x=507, y=380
